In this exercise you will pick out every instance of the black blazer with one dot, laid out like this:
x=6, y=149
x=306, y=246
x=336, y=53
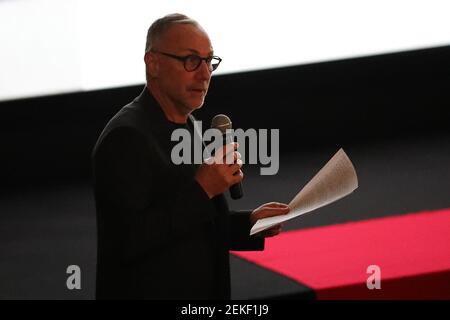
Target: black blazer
x=158, y=233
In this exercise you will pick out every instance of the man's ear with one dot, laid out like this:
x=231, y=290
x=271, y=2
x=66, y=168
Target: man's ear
x=151, y=64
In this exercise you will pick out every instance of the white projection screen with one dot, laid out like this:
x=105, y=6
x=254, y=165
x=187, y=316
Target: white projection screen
x=57, y=46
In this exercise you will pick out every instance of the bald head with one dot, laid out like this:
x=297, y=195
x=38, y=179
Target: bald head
x=176, y=34
x=159, y=28
x=174, y=44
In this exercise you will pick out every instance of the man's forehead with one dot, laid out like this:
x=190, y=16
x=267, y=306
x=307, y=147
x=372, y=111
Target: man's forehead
x=187, y=37
x=195, y=51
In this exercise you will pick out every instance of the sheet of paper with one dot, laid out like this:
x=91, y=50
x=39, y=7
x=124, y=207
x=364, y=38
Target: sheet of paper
x=334, y=181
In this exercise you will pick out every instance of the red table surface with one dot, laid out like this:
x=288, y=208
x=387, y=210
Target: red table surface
x=411, y=250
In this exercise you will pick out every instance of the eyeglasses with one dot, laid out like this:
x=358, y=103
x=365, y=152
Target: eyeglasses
x=192, y=62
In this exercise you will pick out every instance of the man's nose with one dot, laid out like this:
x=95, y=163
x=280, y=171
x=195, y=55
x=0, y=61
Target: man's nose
x=203, y=71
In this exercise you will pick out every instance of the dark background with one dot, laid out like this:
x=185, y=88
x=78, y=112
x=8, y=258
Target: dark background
x=389, y=112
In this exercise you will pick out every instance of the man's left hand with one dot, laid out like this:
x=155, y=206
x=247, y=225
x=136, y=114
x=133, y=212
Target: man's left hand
x=270, y=209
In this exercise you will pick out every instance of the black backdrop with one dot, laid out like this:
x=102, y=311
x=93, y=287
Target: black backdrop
x=49, y=139
x=389, y=112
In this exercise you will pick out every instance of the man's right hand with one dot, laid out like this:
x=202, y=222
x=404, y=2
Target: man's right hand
x=218, y=174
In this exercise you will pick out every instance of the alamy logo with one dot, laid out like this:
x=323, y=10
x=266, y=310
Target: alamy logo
x=74, y=280
x=258, y=146
x=374, y=281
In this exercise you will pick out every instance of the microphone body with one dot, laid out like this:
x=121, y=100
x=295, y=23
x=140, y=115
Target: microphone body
x=236, y=189
x=222, y=122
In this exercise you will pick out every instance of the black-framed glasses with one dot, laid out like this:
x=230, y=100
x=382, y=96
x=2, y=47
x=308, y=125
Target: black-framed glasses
x=192, y=62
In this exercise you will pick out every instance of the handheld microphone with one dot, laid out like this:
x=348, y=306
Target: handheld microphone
x=222, y=122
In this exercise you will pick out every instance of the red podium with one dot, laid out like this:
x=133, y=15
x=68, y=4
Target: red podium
x=412, y=252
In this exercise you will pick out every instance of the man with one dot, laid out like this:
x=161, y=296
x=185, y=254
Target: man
x=164, y=230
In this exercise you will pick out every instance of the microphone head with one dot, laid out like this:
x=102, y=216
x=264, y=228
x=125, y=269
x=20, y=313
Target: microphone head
x=221, y=122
